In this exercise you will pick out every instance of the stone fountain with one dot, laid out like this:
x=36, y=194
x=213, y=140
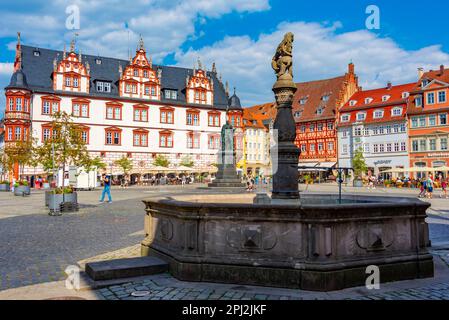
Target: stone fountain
x=310, y=242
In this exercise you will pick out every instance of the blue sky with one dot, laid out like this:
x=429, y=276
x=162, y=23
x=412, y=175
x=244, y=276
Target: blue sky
x=240, y=36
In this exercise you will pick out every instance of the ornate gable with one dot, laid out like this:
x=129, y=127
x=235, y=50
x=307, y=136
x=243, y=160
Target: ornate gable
x=70, y=74
x=139, y=79
x=199, y=87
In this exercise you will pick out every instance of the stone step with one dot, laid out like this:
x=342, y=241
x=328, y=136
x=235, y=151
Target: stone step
x=125, y=268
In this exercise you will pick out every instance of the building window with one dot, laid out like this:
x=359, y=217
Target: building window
x=432, y=144
x=303, y=129
x=200, y=96
x=357, y=132
x=345, y=118
x=320, y=146
x=366, y=148
x=376, y=148
x=361, y=116
x=396, y=147
x=320, y=127
x=431, y=98
x=385, y=98
x=214, y=142
x=344, y=149
x=381, y=148
x=165, y=140
x=193, y=118
x=193, y=141
x=141, y=114
x=378, y=114
x=366, y=132
x=432, y=120
x=312, y=127
x=422, y=145
x=443, y=119
x=403, y=146
x=50, y=106
x=113, y=137
x=352, y=103
x=441, y=96
x=140, y=138
x=214, y=119
x=396, y=112
x=18, y=104
x=443, y=144
x=145, y=73
x=312, y=147
x=418, y=101
x=166, y=115
x=150, y=90
x=422, y=121
x=415, y=146
x=325, y=98
x=330, y=126
x=320, y=111
x=330, y=146
x=85, y=136
x=136, y=73
x=303, y=148
x=171, y=94
x=388, y=128
x=389, y=147
x=113, y=112
x=80, y=109
x=415, y=122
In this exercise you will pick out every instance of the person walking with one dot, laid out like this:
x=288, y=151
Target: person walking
x=429, y=187
x=106, y=188
x=423, y=191
x=444, y=188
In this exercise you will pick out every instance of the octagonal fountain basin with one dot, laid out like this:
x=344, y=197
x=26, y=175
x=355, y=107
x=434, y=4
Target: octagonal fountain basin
x=316, y=244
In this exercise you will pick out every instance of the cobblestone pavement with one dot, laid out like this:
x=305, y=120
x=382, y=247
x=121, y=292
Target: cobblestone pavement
x=36, y=248
x=165, y=287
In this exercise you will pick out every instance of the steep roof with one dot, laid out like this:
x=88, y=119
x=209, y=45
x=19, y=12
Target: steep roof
x=314, y=95
x=39, y=69
x=257, y=116
x=395, y=93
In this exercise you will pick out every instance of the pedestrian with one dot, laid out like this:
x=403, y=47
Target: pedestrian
x=444, y=188
x=429, y=187
x=423, y=191
x=106, y=188
x=183, y=181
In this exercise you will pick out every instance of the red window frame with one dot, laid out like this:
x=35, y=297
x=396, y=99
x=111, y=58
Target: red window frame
x=192, y=136
x=140, y=108
x=200, y=93
x=114, y=106
x=81, y=102
x=50, y=100
x=167, y=110
x=193, y=113
x=141, y=133
x=166, y=134
x=214, y=114
x=113, y=130
x=72, y=77
x=215, y=145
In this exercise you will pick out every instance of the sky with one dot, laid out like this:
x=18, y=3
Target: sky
x=241, y=36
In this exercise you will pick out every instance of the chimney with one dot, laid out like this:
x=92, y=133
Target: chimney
x=389, y=85
x=420, y=72
x=441, y=69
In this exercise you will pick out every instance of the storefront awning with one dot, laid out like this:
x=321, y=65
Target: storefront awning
x=326, y=165
x=308, y=164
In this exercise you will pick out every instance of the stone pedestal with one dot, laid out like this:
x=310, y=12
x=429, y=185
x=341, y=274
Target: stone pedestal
x=226, y=177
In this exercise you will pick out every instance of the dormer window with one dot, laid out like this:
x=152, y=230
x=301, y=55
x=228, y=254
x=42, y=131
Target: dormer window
x=320, y=111
x=171, y=94
x=145, y=73
x=298, y=114
x=405, y=95
x=424, y=83
x=385, y=98
x=368, y=100
x=378, y=114
x=325, y=98
x=345, y=118
x=396, y=112
x=136, y=73
x=36, y=53
x=352, y=103
x=361, y=116
x=303, y=101
x=98, y=61
x=103, y=86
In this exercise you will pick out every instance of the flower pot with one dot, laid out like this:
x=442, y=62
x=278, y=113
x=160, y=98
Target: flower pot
x=4, y=187
x=71, y=197
x=54, y=201
x=22, y=191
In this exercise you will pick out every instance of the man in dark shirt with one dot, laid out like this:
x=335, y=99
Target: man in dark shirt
x=107, y=188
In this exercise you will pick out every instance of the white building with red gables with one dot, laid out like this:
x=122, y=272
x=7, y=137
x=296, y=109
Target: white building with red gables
x=375, y=122
x=127, y=108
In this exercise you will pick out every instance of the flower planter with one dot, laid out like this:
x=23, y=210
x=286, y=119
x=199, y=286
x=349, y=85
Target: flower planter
x=22, y=191
x=54, y=201
x=4, y=187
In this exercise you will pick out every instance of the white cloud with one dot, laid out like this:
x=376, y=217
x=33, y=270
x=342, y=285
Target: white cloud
x=319, y=52
x=6, y=68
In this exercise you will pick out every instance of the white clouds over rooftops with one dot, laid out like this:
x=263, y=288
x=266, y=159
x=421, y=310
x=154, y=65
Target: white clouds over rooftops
x=319, y=52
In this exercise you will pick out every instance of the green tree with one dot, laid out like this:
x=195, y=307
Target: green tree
x=161, y=161
x=64, y=147
x=95, y=163
x=125, y=164
x=187, y=161
x=22, y=152
x=359, y=164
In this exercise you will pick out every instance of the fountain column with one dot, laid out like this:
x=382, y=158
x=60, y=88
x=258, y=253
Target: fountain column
x=285, y=153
